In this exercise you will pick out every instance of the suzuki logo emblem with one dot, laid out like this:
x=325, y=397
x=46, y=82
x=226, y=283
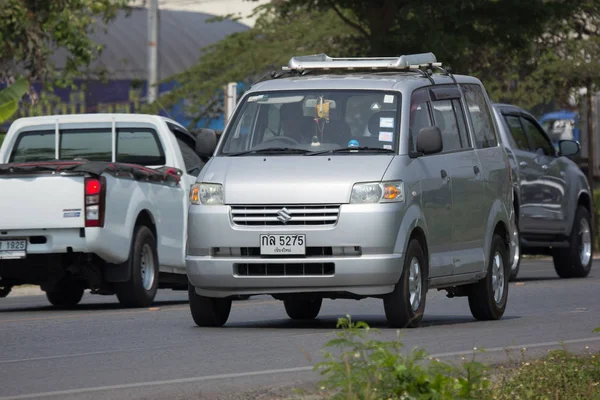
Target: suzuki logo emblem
x=284, y=215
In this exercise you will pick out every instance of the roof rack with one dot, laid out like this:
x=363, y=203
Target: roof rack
x=324, y=62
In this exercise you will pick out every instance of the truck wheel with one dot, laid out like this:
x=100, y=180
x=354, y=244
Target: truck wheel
x=303, y=308
x=404, y=307
x=576, y=260
x=65, y=295
x=141, y=289
x=208, y=311
x=488, y=297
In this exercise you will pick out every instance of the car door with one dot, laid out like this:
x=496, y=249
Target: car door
x=466, y=184
x=529, y=176
x=436, y=196
x=550, y=185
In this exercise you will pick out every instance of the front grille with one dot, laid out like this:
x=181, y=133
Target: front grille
x=311, y=251
x=285, y=215
x=285, y=269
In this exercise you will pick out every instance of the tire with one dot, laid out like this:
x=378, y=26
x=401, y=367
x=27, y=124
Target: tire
x=65, y=295
x=141, y=288
x=576, y=260
x=485, y=303
x=303, y=308
x=400, y=311
x=208, y=311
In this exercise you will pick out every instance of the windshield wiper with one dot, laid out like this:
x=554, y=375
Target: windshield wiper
x=349, y=149
x=274, y=150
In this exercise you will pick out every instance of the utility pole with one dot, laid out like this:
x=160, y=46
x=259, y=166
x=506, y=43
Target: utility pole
x=590, y=133
x=152, y=50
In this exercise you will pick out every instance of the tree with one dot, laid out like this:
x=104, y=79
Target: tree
x=473, y=36
x=32, y=30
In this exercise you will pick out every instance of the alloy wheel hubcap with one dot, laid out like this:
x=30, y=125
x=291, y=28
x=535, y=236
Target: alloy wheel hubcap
x=498, y=277
x=147, y=267
x=415, y=284
x=585, y=242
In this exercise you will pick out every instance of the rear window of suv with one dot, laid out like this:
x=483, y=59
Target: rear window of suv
x=134, y=146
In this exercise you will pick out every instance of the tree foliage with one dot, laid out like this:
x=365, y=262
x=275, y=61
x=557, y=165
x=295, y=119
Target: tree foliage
x=506, y=43
x=32, y=30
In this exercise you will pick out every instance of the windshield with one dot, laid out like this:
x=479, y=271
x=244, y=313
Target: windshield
x=312, y=121
x=134, y=146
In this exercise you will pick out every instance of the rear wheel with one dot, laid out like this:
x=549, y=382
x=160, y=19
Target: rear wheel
x=488, y=297
x=141, y=288
x=303, y=308
x=65, y=294
x=208, y=311
x=404, y=307
x=576, y=260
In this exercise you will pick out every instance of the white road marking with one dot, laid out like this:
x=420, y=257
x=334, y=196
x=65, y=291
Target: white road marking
x=271, y=371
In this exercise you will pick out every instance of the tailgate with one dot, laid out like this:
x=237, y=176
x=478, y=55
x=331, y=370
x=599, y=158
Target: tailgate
x=37, y=202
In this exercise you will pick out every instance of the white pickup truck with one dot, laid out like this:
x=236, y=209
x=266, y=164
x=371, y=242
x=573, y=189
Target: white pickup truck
x=95, y=201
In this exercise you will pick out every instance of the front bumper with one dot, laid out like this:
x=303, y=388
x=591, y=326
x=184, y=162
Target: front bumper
x=358, y=254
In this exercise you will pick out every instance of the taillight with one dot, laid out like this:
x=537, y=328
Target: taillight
x=95, y=192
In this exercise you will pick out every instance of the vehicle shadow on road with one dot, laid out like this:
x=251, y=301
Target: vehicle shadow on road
x=328, y=322
x=91, y=307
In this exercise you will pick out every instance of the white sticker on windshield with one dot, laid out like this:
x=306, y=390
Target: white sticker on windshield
x=255, y=98
x=388, y=98
x=386, y=122
x=387, y=146
x=386, y=136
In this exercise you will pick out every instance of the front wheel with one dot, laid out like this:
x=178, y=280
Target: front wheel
x=576, y=260
x=516, y=260
x=404, y=307
x=141, y=288
x=208, y=311
x=65, y=295
x=488, y=297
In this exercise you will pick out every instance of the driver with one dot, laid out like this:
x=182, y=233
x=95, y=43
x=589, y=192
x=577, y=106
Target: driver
x=294, y=124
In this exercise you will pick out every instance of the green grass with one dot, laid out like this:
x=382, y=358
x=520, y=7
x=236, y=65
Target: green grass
x=358, y=367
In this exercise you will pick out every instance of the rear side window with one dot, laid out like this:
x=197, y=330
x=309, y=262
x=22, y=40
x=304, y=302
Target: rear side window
x=134, y=146
x=448, y=117
x=517, y=132
x=481, y=117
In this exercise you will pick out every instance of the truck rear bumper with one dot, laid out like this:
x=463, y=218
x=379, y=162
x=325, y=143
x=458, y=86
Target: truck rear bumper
x=50, y=241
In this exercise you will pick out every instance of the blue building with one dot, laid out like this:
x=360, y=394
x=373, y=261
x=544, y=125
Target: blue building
x=182, y=36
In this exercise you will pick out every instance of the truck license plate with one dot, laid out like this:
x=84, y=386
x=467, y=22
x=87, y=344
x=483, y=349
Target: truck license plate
x=278, y=245
x=13, y=249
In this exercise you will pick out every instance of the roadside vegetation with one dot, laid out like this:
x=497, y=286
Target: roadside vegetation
x=357, y=367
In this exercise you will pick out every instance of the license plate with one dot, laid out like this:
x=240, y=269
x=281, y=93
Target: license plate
x=279, y=245
x=13, y=248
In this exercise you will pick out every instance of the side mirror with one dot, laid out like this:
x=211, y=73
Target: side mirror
x=429, y=140
x=206, y=142
x=568, y=148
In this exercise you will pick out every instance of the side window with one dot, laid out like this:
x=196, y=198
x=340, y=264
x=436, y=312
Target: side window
x=539, y=143
x=453, y=130
x=517, y=133
x=193, y=162
x=419, y=115
x=139, y=146
x=240, y=136
x=481, y=117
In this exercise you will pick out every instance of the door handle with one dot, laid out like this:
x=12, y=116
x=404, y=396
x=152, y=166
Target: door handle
x=444, y=175
x=523, y=164
x=476, y=169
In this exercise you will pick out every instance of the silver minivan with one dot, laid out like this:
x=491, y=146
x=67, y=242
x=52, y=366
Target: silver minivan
x=353, y=178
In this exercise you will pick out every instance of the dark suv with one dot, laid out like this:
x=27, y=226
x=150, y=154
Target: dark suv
x=553, y=202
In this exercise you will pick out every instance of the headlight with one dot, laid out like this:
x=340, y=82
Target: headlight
x=377, y=192
x=206, y=193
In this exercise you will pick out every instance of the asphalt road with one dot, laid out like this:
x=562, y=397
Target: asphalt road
x=101, y=351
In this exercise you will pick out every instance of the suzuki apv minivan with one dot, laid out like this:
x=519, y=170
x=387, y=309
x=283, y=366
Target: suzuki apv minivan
x=353, y=178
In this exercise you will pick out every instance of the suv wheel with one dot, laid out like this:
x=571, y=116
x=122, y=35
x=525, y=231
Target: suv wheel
x=516, y=261
x=576, y=260
x=487, y=298
x=208, y=311
x=65, y=294
x=141, y=289
x=404, y=307
x=303, y=308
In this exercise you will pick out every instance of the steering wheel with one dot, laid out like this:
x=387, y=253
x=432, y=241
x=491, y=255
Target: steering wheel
x=282, y=138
